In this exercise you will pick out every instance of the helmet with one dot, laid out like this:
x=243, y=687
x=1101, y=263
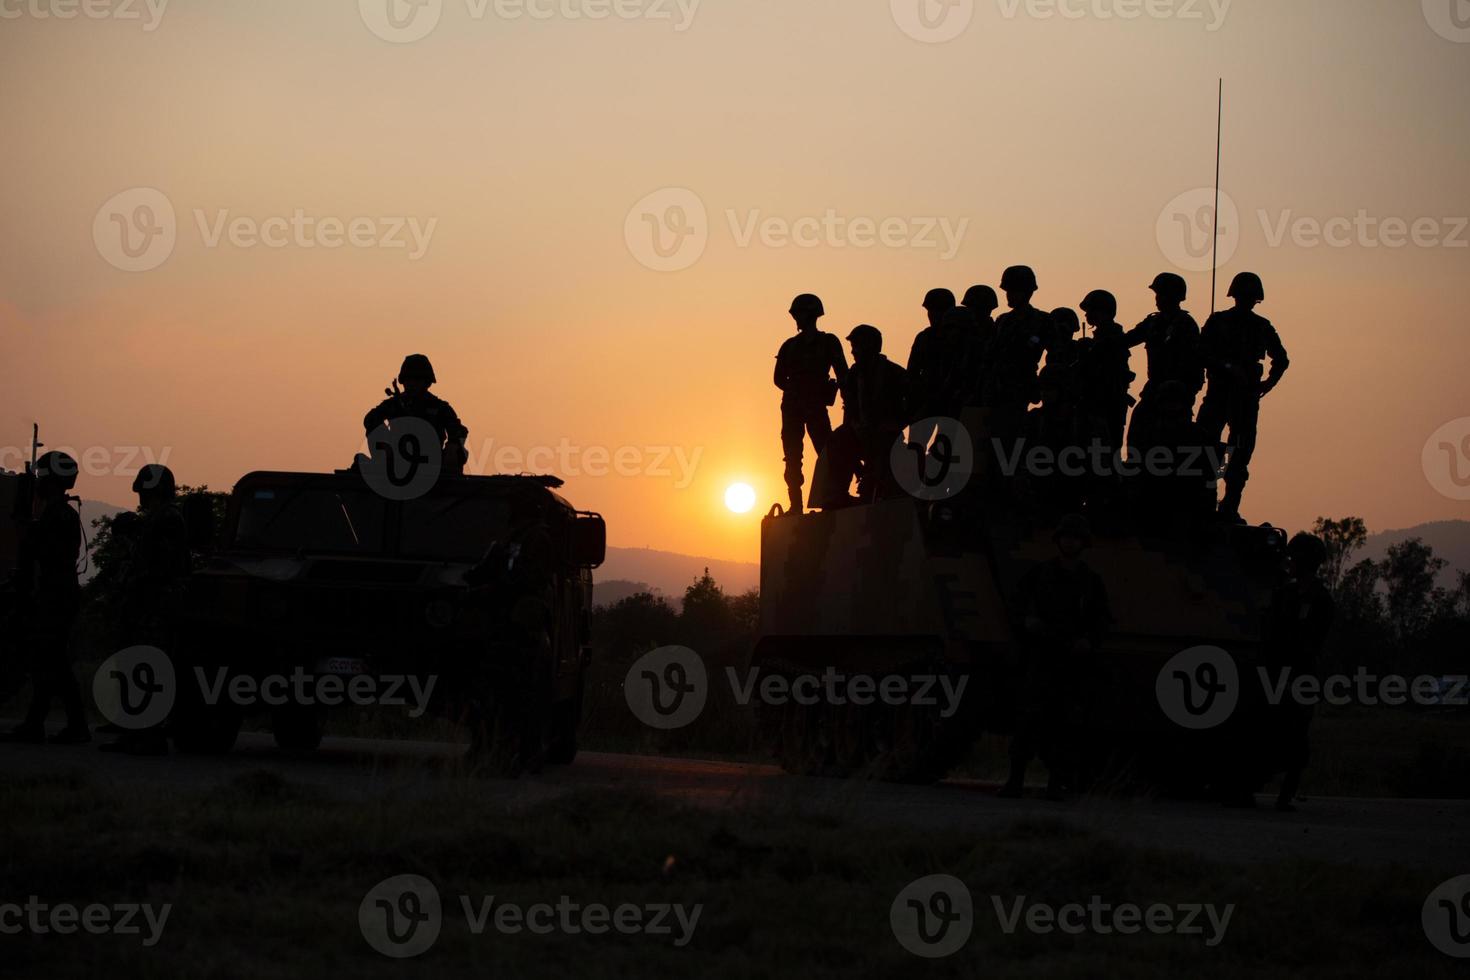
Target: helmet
x=1018, y=277
x=1075, y=526
x=808, y=303
x=155, y=476
x=416, y=367
x=1066, y=320
x=939, y=299
x=981, y=298
x=864, y=333
x=57, y=467
x=1170, y=286
x=1101, y=302
x=1248, y=286
x=1307, y=551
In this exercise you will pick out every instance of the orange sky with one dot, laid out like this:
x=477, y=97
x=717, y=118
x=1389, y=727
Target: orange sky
x=520, y=145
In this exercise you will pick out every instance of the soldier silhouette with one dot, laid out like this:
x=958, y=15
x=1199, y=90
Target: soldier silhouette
x=1105, y=375
x=1022, y=336
x=414, y=400
x=1233, y=344
x=1301, y=615
x=932, y=363
x=46, y=582
x=150, y=583
x=982, y=302
x=875, y=409
x=1171, y=338
x=809, y=369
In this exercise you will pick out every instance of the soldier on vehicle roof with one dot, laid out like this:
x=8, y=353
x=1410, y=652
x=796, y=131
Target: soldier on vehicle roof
x=414, y=400
x=809, y=369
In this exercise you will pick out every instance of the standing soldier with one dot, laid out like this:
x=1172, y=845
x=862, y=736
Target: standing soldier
x=1171, y=338
x=46, y=580
x=1234, y=343
x=151, y=582
x=982, y=302
x=932, y=361
x=1022, y=336
x=874, y=410
x=809, y=369
x=1063, y=608
x=1105, y=372
x=414, y=400
x=1301, y=615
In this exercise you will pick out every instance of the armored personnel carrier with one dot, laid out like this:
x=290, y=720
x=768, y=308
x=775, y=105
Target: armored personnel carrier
x=478, y=593
x=912, y=588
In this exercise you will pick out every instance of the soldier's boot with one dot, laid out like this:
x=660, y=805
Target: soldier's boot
x=794, y=493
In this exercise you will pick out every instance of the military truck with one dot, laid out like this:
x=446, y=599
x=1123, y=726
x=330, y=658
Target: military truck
x=483, y=584
x=911, y=588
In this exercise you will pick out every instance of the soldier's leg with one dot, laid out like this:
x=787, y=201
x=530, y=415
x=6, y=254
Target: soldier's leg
x=1214, y=412
x=1244, y=417
x=793, y=433
x=819, y=427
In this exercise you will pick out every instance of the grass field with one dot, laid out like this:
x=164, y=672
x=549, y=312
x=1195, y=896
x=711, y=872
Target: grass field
x=266, y=878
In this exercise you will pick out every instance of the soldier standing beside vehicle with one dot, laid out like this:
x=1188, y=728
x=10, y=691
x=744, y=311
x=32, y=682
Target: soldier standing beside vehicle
x=49, y=593
x=809, y=369
x=414, y=400
x=1234, y=344
x=1171, y=338
x=1301, y=615
x=151, y=582
x=1063, y=612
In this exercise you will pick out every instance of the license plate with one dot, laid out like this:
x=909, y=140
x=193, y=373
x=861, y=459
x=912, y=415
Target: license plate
x=342, y=666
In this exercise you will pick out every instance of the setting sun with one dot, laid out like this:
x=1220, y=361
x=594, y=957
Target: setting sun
x=740, y=498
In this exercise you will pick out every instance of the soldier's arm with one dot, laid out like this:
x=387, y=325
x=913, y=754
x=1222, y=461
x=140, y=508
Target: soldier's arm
x=783, y=374
x=378, y=415
x=1276, y=350
x=839, y=361
x=1138, y=335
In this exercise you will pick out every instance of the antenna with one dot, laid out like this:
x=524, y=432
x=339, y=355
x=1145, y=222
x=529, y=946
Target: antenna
x=1215, y=242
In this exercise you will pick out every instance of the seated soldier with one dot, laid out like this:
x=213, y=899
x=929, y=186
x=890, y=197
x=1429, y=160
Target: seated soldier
x=414, y=400
x=874, y=407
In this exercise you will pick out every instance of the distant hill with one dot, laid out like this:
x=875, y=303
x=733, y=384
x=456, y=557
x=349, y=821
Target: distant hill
x=1449, y=539
x=667, y=573
x=91, y=511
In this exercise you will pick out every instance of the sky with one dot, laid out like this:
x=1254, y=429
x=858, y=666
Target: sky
x=227, y=222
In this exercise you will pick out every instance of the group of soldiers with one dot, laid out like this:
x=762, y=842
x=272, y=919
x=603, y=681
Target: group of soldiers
x=150, y=556
x=969, y=359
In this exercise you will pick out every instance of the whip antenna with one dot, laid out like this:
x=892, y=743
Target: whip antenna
x=1215, y=242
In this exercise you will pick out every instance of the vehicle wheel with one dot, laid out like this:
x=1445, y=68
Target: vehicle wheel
x=296, y=728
